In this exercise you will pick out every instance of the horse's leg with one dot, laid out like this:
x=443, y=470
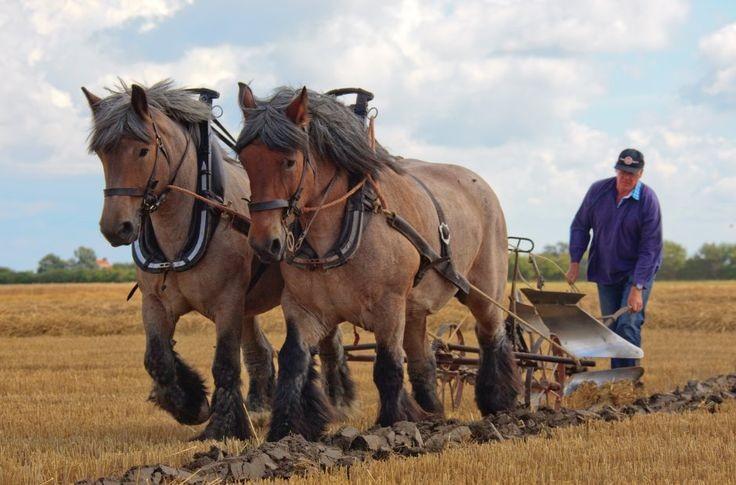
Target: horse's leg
x=177, y=388
x=498, y=382
x=421, y=364
x=228, y=417
x=258, y=356
x=388, y=371
x=300, y=405
x=335, y=372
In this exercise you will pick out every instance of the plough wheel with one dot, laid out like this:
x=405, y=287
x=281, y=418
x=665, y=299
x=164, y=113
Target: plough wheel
x=450, y=376
x=544, y=382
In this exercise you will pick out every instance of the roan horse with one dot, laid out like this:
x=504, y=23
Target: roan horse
x=145, y=138
x=307, y=149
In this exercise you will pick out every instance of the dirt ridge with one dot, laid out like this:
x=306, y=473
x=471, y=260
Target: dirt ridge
x=294, y=456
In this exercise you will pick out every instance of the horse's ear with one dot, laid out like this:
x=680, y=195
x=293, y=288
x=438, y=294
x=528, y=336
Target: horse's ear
x=297, y=111
x=93, y=100
x=245, y=97
x=139, y=101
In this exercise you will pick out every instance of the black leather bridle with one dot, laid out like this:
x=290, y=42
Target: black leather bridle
x=151, y=201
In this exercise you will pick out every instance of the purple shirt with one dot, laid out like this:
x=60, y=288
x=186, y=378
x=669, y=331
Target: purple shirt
x=627, y=238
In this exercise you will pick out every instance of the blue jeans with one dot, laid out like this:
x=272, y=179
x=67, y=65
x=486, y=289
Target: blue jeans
x=628, y=326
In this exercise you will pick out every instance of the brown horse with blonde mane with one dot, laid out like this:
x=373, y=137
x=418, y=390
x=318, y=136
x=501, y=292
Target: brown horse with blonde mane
x=148, y=138
x=302, y=151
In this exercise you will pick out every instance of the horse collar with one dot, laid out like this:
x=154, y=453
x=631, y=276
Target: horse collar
x=358, y=205
x=147, y=253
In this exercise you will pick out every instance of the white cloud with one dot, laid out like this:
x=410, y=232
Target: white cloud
x=719, y=48
x=573, y=26
x=83, y=16
x=46, y=51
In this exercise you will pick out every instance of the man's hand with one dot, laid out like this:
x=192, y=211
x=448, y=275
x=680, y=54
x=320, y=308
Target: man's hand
x=635, y=302
x=572, y=273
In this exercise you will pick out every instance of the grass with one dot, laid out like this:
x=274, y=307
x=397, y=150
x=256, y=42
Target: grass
x=74, y=393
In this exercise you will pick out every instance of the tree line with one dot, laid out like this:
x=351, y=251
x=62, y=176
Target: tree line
x=81, y=268
x=713, y=261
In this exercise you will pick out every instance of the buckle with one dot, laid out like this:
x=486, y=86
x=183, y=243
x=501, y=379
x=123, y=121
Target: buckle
x=444, y=233
x=290, y=243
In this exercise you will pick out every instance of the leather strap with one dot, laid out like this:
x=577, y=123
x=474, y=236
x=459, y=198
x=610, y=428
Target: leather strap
x=124, y=192
x=268, y=205
x=430, y=258
x=443, y=228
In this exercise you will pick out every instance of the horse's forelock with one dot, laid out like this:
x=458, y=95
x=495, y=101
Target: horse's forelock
x=115, y=118
x=335, y=133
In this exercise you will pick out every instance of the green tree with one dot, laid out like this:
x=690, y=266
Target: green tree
x=85, y=258
x=674, y=258
x=720, y=259
x=51, y=262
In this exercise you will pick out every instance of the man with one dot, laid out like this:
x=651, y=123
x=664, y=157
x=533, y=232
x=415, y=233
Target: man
x=626, y=251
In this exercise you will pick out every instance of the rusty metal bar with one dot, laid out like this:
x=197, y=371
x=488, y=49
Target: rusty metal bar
x=553, y=358
x=448, y=359
x=350, y=348
x=463, y=348
x=360, y=358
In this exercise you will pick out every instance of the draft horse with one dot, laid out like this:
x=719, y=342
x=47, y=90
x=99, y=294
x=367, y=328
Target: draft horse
x=309, y=159
x=148, y=139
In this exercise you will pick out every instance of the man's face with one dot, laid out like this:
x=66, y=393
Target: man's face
x=626, y=181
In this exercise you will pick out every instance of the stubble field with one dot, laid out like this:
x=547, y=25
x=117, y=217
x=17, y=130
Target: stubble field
x=73, y=397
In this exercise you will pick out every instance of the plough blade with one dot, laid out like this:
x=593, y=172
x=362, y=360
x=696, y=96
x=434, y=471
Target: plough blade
x=552, y=297
x=583, y=335
x=532, y=318
x=600, y=377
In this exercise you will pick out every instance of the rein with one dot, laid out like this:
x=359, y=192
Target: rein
x=336, y=201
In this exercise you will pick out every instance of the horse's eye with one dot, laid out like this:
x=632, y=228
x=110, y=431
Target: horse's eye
x=143, y=152
x=289, y=163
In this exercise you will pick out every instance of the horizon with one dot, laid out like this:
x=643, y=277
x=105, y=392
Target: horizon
x=538, y=99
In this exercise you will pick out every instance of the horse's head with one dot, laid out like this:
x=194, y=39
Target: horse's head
x=125, y=140
x=276, y=160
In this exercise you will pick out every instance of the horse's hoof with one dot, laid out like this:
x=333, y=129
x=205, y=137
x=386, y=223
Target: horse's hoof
x=204, y=413
x=220, y=434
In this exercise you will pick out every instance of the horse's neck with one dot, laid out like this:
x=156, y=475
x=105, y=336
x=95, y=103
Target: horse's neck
x=171, y=220
x=325, y=228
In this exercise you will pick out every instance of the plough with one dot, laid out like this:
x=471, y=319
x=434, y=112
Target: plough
x=555, y=343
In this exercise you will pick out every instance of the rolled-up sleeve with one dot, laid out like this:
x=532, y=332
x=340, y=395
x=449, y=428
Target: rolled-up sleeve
x=580, y=229
x=650, y=244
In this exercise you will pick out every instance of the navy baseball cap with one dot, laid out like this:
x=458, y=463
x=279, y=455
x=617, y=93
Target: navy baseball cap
x=630, y=160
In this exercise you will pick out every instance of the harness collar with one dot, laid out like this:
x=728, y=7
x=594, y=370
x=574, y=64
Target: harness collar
x=362, y=202
x=147, y=253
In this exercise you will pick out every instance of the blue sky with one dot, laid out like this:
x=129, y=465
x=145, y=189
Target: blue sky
x=537, y=97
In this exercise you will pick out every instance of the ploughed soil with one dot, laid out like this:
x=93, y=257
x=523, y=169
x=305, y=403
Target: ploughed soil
x=294, y=455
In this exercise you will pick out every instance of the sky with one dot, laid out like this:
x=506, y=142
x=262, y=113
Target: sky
x=538, y=97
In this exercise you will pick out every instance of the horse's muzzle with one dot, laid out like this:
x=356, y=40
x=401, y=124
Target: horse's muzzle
x=121, y=234
x=270, y=251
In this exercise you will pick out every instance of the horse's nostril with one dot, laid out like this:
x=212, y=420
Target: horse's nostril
x=276, y=247
x=126, y=229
